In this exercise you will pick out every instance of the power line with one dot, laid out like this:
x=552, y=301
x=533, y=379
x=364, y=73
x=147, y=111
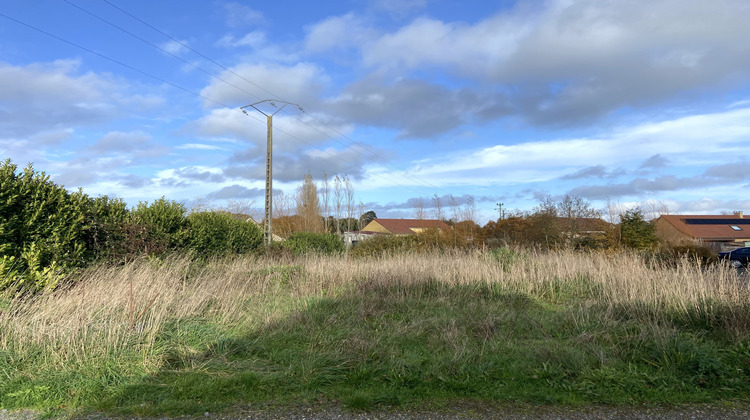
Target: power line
x=159, y=48
x=370, y=152
x=164, y=81
x=118, y=62
x=187, y=47
x=112, y=60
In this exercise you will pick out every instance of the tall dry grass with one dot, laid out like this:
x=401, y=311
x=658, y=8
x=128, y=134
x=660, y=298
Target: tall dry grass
x=109, y=309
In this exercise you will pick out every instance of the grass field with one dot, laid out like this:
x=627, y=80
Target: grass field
x=181, y=337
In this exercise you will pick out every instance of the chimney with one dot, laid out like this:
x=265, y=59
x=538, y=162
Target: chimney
x=739, y=214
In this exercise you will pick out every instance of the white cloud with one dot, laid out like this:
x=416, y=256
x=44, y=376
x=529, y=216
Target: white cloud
x=300, y=83
x=255, y=39
x=291, y=130
x=175, y=47
x=240, y=15
x=136, y=144
x=676, y=141
x=199, y=146
x=574, y=61
x=335, y=32
x=53, y=96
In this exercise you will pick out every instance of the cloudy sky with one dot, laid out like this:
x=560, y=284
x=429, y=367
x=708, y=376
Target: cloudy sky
x=506, y=101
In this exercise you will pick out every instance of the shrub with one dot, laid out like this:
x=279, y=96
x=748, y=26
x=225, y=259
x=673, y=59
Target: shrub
x=216, y=233
x=672, y=254
x=42, y=230
x=382, y=245
x=308, y=242
x=160, y=224
x=105, y=219
x=428, y=240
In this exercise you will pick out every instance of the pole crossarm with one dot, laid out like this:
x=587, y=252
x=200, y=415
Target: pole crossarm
x=267, y=222
x=273, y=103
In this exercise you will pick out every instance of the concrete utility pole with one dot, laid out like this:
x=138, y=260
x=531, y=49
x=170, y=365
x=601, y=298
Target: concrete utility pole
x=500, y=210
x=267, y=228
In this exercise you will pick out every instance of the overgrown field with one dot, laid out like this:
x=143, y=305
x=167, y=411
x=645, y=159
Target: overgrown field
x=178, y=337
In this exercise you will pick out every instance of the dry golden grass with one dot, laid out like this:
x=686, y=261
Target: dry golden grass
x=99, y=314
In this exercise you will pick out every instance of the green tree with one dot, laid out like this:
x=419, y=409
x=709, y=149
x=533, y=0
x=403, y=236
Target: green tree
x=636, y=232
x=366, y=218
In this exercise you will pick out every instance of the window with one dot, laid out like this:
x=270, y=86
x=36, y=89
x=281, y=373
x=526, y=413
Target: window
x=735, y=227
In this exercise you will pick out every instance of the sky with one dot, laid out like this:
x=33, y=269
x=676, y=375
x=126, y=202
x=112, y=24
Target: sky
x=623, y=103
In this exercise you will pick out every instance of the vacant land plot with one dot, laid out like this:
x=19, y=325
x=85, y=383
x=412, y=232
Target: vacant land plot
x=181, y=337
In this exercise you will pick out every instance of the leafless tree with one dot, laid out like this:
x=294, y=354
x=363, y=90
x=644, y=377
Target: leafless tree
x=350, y=204
x=653, y=209
x=326, y=193
x=438, y=207
x=419, y=211
x=338, y=200
x=362, y=210
x=613, y=210
x=455, y=208
x=470, y=209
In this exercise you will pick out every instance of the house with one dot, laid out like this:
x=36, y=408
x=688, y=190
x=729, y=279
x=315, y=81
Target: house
x=405, y=226
x=720, y=232
x=351, y=238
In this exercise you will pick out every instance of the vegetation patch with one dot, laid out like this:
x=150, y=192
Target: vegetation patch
x=532, y=328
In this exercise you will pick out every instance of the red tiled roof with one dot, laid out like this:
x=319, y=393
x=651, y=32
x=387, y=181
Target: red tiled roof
x=721, y=231
x=583, y=224
x=405, y=226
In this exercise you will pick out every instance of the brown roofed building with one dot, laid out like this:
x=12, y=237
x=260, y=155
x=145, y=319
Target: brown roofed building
x=722, y=232
x=405, y=226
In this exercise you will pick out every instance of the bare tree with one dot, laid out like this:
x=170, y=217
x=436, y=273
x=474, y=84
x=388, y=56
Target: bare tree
x=470, y=209
x=455, y=208
x=653, y=209
x=438, y=207
x=282, y=213
x=350, y=204
x=362, y=210
x=613, y=210
x=326, y=193
x=338, y=200
x=419, y=211
x=546, y=206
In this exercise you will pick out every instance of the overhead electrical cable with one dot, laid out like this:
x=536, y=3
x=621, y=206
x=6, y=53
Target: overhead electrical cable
x=162, y=80
x=365, y=151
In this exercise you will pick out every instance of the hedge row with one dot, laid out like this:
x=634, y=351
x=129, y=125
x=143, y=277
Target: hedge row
x=46, y=231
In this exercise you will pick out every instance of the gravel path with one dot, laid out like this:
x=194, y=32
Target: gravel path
x=687, y=412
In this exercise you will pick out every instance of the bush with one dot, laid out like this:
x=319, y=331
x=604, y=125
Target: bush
x=429, y=240
x=42, y=230
x=383, y=245
x=217, y=233
x=672, y=254
x=106, y=220
x=160, y=225
x=307, y=242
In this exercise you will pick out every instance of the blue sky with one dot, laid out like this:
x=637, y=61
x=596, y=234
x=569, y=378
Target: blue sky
x=620, y=102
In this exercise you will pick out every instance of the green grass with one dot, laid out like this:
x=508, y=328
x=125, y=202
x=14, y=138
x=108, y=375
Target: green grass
x=370, y=344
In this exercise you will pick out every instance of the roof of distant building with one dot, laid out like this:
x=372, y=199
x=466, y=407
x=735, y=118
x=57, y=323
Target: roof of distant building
x=408, y=226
